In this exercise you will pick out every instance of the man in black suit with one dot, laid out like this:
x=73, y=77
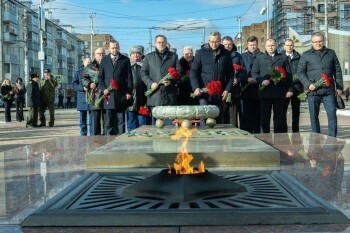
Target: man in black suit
x=116, y=67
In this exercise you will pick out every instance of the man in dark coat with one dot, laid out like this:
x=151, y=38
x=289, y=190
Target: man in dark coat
x=273, y=94
x=313, y=63
x=234, y=107
x=155, y=67
x=82, y=106
x=251, y=121
x=116, y=67
x=90, y=83
x=212, y=63
x=293, y=58
x=33, y=101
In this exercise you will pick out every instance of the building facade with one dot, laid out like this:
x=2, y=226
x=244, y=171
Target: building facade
x=308, y=16
x=20, y=45
x=98, y=40
x=255, y=29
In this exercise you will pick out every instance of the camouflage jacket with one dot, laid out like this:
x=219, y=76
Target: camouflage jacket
x=47, y=90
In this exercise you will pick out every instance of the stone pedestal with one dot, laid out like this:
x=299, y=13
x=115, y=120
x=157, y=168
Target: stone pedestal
x=152, y=147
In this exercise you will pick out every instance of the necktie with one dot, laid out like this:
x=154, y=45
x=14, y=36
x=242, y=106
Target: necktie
x=114, y=60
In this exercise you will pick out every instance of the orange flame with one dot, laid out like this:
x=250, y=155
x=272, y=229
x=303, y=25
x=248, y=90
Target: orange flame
x=183, y=159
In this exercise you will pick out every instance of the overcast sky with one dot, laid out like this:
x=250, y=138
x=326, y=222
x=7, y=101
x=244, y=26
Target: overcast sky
x=130, y=21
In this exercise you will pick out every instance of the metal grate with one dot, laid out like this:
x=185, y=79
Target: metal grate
x=262, y=192
x=271, y=198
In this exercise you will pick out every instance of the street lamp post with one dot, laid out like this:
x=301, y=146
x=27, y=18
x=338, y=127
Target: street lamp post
x=41, y=54
x=263, y=11
x=267, y=20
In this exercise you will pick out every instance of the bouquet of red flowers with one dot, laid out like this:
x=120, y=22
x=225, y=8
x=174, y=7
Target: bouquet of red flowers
x=113, y=86
x=277, y=74
x=213, y=88
x=323, y=82
x=172, y=74
x=144, y=111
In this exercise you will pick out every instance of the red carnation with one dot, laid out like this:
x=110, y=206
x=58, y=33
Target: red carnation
x=214, y=88
x=324, y=81
x=97, y=69
x=237, y=67
x=277, y=74
x=144, y=111
x=188, y=72
x=281, y=70
x=172, y=74
x=113, y=85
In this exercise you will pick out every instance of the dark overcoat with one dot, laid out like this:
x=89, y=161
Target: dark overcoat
x=121, y=73
x=33, y=94
x=154, y=68
x=209, y=65
x=261, y=71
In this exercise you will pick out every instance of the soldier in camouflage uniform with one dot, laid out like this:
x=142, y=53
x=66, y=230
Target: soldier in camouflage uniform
x=47, y=94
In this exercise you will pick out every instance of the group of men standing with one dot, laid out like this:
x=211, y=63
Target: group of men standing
x=41, y=96
x=249, y=94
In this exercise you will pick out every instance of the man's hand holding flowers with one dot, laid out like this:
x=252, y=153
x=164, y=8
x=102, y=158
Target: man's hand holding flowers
x=323, y=82
x=213, y=88
x=276, y=76
x=166, y=81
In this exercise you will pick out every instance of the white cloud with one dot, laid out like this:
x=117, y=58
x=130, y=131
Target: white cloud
x=186, y=25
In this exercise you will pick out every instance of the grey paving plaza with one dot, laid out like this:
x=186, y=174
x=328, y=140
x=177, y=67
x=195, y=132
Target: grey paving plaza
x=39, y=166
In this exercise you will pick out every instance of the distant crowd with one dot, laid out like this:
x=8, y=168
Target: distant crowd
x=116, y=92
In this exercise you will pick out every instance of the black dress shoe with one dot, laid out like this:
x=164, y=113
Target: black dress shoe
x=41, y=125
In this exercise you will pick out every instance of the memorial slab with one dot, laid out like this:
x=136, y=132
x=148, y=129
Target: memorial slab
x=152, y=147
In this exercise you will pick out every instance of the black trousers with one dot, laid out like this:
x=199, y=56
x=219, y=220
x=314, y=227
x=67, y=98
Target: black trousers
x=19, y=111
x=232, y=112
x=295, y=103
x=96, y=116
x=251, y=120
x=7, y=105
x=267, y=106
x=114, y=122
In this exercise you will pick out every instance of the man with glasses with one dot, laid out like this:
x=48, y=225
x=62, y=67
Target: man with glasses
x=212, y=63
x=293, y=57
x=313, y=63
x=90, y=83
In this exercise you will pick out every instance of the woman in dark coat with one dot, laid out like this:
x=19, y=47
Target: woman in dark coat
x=20, y=90
x=7, y=92
x=184, y=84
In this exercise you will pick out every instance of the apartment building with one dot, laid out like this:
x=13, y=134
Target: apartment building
x=20, y=44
